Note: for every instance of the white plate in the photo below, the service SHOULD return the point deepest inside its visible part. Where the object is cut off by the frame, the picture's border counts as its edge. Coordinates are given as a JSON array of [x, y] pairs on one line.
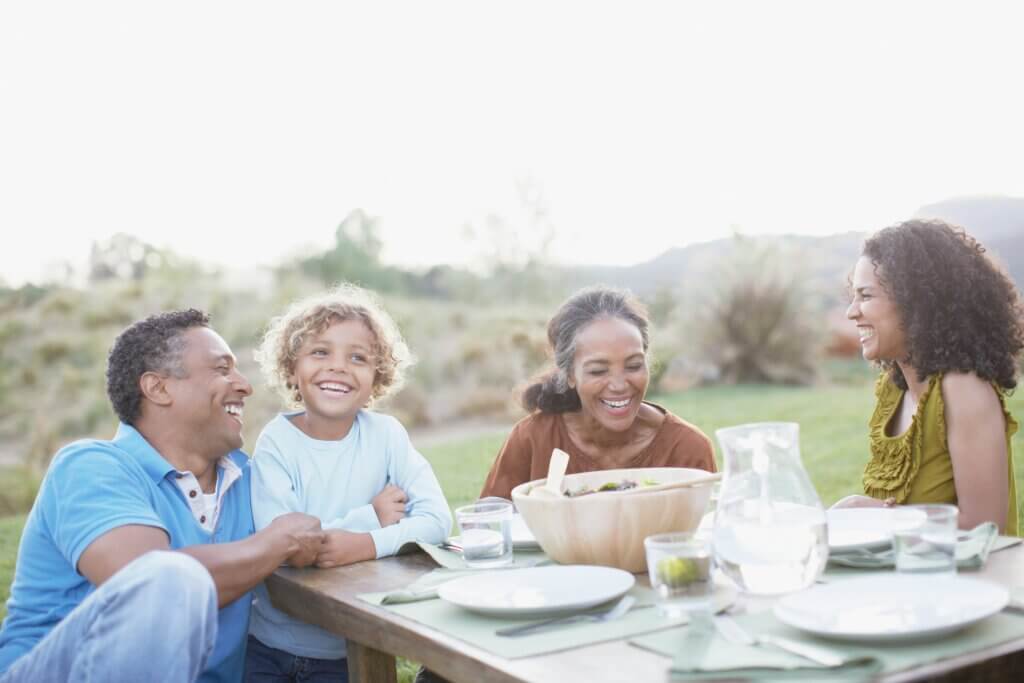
[[891, 606], [536, 591], [850, 528]]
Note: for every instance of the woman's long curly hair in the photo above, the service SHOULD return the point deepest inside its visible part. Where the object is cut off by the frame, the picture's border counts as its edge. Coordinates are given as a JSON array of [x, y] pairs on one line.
[[960, 313], [551, 393]]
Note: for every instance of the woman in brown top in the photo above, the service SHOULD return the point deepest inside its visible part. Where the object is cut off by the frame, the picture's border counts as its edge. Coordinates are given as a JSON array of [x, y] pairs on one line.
[[591, 404]]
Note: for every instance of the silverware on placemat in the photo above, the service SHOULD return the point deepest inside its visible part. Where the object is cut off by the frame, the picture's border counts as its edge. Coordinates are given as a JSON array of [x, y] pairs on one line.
[[734, 633], [616, 611]]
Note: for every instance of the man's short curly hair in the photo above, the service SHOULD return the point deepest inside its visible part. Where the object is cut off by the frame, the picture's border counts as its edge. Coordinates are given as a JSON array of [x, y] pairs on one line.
[[154, 344], [285, 335], [960, 313]]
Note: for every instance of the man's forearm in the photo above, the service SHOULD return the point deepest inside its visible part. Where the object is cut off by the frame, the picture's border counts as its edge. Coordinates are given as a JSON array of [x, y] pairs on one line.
[[238, 566]]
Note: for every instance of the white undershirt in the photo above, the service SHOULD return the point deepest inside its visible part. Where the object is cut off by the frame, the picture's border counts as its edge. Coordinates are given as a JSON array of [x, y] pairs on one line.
[[205, 507]]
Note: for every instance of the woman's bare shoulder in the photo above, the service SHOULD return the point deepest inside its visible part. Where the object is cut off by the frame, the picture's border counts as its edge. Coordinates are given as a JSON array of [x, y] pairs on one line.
[[966, 391]]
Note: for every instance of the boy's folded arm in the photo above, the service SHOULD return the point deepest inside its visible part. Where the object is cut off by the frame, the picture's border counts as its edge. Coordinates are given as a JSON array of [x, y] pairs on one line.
[[345, 547], [429, 518], [413, 528], [360, 519]]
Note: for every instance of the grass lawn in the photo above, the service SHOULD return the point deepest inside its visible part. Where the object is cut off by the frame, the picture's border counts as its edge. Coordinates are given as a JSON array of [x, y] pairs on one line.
[[833, 424], [833, 433]]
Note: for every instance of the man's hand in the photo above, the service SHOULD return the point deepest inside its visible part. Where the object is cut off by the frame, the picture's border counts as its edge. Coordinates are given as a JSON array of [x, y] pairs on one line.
[[303, 535], [389, 505], [345, 547]]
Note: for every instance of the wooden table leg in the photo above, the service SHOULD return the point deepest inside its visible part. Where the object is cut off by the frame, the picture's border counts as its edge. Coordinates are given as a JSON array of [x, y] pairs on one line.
[[366, 665]]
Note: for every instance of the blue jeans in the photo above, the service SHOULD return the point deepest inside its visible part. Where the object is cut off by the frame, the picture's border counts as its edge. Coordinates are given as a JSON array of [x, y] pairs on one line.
[[155, 620], [265, 664]]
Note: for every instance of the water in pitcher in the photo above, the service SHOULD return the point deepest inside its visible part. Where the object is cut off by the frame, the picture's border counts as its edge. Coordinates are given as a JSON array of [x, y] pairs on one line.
[[783, 552], [769, 535]]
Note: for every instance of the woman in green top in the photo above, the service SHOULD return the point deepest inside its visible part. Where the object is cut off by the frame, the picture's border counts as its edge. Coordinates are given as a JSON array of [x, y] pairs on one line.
[[946, 327]]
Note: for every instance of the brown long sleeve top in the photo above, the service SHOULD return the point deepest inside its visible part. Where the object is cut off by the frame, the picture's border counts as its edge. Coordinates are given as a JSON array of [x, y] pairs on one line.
[[527, 451]]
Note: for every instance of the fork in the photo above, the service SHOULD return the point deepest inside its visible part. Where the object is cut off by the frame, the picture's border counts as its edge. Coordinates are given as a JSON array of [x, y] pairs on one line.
[[616, 611], [735, 633], [453, 547]]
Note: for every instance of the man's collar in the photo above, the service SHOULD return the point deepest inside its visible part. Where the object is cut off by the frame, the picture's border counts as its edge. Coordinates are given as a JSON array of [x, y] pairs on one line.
[[132, 442]]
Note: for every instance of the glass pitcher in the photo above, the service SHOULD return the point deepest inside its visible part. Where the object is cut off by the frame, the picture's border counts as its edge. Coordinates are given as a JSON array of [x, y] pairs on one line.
[[769, 534]]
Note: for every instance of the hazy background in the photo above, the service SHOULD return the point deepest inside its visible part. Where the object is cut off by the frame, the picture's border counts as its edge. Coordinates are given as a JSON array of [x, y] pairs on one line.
[[474, 163], [238, 132]]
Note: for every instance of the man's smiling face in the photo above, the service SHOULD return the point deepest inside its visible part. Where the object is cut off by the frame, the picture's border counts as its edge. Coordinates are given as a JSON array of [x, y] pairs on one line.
[[209, 397]]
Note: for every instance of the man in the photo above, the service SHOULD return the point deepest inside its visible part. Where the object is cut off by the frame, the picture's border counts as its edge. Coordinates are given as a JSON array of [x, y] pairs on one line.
[[138, 557]]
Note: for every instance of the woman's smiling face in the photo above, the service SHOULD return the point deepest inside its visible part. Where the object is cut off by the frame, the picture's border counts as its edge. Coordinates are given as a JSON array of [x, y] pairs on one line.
[[878, 320], [610, 372]]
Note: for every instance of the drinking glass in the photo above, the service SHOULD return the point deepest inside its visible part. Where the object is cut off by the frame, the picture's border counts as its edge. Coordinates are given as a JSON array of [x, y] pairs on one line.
[[486, 534], [679, 566], [930, 546]]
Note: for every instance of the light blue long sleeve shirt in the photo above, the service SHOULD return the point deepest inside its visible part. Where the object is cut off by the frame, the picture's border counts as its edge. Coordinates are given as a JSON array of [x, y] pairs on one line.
[[336, 481]]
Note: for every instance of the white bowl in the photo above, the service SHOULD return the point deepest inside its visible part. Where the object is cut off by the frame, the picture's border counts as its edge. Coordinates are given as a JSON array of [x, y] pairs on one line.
[[608, 528]]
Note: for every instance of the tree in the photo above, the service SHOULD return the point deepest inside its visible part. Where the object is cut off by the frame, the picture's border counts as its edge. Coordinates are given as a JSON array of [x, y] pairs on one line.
[[124, 257], [515, 250], [355, 256]]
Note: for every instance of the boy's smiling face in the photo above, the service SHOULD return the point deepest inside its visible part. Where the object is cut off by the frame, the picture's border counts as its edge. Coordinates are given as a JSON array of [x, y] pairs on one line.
[[334, 372]]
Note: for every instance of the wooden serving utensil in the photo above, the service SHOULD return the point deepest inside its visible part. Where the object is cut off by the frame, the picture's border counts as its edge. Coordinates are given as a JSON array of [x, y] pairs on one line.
[[556, 473], [711, 478]]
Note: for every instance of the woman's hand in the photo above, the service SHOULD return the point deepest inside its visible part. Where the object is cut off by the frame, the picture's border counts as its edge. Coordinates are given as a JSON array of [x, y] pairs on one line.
[[858, 501]]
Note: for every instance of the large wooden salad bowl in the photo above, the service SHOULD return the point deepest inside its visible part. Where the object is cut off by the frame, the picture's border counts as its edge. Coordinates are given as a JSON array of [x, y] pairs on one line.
[[608, 528]]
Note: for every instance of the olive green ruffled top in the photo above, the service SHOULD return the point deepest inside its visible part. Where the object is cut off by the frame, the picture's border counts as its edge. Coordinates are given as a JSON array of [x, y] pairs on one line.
[[915, 466]]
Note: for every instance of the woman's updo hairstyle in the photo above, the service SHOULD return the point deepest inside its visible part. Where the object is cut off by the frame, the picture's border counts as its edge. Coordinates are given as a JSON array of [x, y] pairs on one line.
[[550, 392]]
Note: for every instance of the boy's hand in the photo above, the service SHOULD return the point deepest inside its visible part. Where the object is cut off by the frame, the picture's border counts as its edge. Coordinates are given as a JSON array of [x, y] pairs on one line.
[[345, 547], [389, 505], [303, 535]]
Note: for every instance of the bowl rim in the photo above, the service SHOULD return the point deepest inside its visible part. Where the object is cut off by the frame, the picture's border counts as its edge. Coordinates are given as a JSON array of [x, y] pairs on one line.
[[523, 490]]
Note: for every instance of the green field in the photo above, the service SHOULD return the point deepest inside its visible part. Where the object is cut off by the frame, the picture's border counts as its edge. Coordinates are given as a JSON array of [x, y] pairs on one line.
[[833, 423]]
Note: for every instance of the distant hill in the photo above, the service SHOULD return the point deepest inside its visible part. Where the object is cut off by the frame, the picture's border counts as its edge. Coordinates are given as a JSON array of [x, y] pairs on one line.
[[826, 262], [997, 222]]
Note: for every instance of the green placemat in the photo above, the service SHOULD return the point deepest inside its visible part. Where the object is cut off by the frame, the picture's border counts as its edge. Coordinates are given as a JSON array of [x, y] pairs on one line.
[[883, 561], [702, 654], [480, 630]]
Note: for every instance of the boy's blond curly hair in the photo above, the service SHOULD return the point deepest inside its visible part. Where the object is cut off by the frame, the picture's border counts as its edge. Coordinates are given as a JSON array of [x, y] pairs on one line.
[[285, 335]]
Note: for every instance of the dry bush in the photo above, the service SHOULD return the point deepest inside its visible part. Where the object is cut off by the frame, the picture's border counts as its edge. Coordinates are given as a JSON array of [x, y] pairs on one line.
[[757, 323], [471, 359]]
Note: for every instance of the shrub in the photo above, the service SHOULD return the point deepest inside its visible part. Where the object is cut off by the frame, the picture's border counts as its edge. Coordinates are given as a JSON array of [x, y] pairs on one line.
[[757, 323]]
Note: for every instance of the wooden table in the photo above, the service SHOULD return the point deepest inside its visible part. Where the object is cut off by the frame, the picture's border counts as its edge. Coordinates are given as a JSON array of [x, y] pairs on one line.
[[327, 598]]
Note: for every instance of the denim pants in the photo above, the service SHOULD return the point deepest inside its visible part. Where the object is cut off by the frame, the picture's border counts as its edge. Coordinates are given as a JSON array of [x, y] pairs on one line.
[[154, 620], [265, 664]]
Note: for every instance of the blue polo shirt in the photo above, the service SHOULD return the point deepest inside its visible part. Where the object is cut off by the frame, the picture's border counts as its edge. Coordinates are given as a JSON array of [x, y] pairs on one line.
[[94, 486]]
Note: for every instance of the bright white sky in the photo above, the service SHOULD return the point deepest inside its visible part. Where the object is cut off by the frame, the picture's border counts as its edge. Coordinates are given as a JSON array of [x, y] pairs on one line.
[[238, 132]]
